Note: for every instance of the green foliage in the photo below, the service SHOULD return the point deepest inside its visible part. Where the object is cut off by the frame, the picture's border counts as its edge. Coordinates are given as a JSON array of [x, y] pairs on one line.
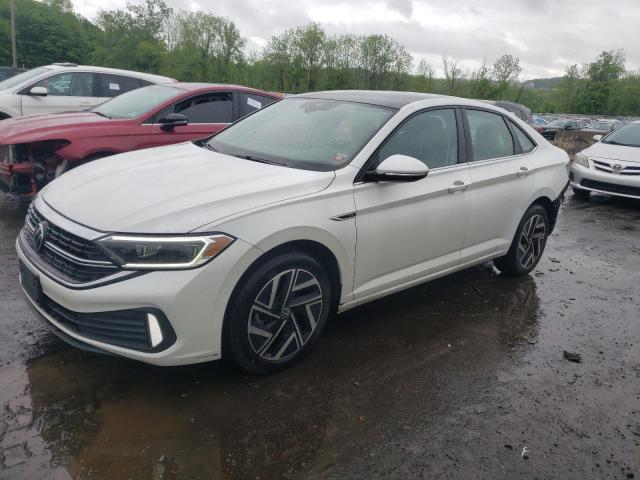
[[199, 46]]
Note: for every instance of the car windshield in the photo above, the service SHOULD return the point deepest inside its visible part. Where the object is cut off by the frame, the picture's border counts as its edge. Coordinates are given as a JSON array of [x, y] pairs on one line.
[[601, 126], [306, 133], [629, 135], [22, 77], [557, 123], [136, 102]]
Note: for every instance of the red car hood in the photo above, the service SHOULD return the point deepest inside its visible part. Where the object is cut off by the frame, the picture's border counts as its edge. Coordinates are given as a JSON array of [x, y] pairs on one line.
[[35, 128]]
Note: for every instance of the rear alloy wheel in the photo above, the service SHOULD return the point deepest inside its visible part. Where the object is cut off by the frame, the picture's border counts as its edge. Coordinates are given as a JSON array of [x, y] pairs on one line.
[[528, 244], [278, 314]]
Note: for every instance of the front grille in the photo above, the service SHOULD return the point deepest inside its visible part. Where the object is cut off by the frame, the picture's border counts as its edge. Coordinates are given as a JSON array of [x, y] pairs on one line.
[[611, 187], [73, 258], [610, 167], [123, 328]]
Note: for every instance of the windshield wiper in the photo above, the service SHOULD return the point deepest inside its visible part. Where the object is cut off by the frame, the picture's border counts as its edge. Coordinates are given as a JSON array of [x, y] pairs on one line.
[[257, 159], [101, 114]]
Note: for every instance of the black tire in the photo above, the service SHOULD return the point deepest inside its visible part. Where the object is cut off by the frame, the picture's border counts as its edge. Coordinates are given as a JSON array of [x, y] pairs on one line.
[[527, 246], [266, 302], [581, 193]]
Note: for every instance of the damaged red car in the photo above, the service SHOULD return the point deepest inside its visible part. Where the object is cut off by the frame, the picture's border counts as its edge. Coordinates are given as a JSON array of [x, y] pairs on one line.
[[36, 149]]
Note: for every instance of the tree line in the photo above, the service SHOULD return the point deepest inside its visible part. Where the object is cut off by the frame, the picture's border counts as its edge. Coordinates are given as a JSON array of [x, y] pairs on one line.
[[200, 46]]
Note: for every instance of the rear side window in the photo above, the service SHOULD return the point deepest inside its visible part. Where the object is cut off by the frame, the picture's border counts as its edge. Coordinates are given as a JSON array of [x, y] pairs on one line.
[[114, 85], [250, 102], [210, 108], [526, 145], [490, 136], [431, 137]]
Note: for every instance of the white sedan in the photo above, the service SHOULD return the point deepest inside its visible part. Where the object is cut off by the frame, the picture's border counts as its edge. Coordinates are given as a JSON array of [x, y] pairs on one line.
[[612, 165], [243, 245], [67, 87]]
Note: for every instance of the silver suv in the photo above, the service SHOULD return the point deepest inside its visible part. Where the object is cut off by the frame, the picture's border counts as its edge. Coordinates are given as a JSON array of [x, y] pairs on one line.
[[67, 87]]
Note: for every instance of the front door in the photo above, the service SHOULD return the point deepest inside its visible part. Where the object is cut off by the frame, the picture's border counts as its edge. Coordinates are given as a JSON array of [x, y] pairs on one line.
[[66, 92], [407, 232]]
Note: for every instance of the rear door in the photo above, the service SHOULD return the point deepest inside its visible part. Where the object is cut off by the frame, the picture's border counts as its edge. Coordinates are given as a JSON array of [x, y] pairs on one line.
[[501, 183], [66, 91], [208, 113]]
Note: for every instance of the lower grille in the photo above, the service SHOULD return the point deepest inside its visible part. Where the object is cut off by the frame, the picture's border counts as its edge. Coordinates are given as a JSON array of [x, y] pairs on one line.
[[611, 187], [123, 328]]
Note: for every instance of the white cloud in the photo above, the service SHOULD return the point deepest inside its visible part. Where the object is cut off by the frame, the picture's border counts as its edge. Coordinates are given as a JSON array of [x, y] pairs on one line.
[[547, 35]]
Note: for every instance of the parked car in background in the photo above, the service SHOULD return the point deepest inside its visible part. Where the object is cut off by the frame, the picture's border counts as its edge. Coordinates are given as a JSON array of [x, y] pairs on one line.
[[36, 149], [612, 165], [549, 131], [65, 87], [520, 111], [6, 72], [539, 121], [244, 244], [603, 126]]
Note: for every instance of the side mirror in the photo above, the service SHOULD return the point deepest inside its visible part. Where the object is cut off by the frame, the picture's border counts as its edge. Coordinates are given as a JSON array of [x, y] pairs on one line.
[[39, 92], [597, 138], [398, 168], [173, 120]]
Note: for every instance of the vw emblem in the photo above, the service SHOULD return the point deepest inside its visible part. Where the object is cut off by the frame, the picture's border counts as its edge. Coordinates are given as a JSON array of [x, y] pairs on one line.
[[40, 235], [616, 167]]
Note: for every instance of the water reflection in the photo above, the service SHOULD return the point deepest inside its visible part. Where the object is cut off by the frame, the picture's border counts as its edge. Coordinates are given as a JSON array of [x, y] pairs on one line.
[[380, 369]]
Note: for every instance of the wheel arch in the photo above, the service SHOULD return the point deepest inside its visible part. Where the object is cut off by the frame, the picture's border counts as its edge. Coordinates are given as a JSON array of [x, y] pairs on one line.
[[551, 207]]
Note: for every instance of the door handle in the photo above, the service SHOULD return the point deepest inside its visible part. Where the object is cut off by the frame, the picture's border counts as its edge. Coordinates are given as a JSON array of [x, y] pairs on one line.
[[523, 172], [457, 186]]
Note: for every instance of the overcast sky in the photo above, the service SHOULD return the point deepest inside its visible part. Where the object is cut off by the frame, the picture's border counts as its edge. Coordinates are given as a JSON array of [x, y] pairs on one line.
[[547, 35]]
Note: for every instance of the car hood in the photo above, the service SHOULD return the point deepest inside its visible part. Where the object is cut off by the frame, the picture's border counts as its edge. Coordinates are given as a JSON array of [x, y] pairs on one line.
[[34, 128], [173, 189], [613, 152]]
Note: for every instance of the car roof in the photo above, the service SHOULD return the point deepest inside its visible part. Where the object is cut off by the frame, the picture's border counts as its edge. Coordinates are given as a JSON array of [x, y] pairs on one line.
[[374, 97], [195, 86], [150, 77]]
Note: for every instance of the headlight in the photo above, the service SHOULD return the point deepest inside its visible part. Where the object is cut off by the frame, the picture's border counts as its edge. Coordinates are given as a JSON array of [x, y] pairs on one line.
[[137, 252], [581, 159]]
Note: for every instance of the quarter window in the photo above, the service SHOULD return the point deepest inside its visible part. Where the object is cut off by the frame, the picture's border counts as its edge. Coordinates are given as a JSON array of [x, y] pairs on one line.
[[526, 145], [79, 84], [211, 108], [490, 136], [249, 103], [431, 137]]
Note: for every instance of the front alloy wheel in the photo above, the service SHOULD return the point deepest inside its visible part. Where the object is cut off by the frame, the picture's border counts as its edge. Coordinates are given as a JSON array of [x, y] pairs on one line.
[[277, 312], [285, 314]]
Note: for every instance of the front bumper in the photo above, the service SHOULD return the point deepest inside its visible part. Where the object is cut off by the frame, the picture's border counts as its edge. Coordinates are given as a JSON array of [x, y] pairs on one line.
[[603, 182], [193, 302]]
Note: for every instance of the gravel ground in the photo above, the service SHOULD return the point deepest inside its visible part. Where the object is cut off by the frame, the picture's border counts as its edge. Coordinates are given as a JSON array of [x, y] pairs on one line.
[[464, 377]]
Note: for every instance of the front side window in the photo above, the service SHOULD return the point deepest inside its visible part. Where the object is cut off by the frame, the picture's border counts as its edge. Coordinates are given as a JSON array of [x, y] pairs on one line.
[[490, 136], [305, 133], [210, 108], [114, 85], [431, 137], [68, 84]]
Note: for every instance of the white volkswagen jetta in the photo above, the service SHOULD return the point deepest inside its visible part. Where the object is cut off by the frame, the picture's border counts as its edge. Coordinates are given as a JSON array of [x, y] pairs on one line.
[[612, 165], [242, 245]]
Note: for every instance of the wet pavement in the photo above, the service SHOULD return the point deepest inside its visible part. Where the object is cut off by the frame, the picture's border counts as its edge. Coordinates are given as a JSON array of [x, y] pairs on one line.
[[461, 378]]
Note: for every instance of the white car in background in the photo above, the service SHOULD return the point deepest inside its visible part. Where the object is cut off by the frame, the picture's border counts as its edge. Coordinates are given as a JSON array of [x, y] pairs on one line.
[[65, 87], [243, 245], [612, 165]]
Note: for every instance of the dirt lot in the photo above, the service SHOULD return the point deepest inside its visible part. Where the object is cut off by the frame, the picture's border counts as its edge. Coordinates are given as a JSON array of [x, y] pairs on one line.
[[460, 378]]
